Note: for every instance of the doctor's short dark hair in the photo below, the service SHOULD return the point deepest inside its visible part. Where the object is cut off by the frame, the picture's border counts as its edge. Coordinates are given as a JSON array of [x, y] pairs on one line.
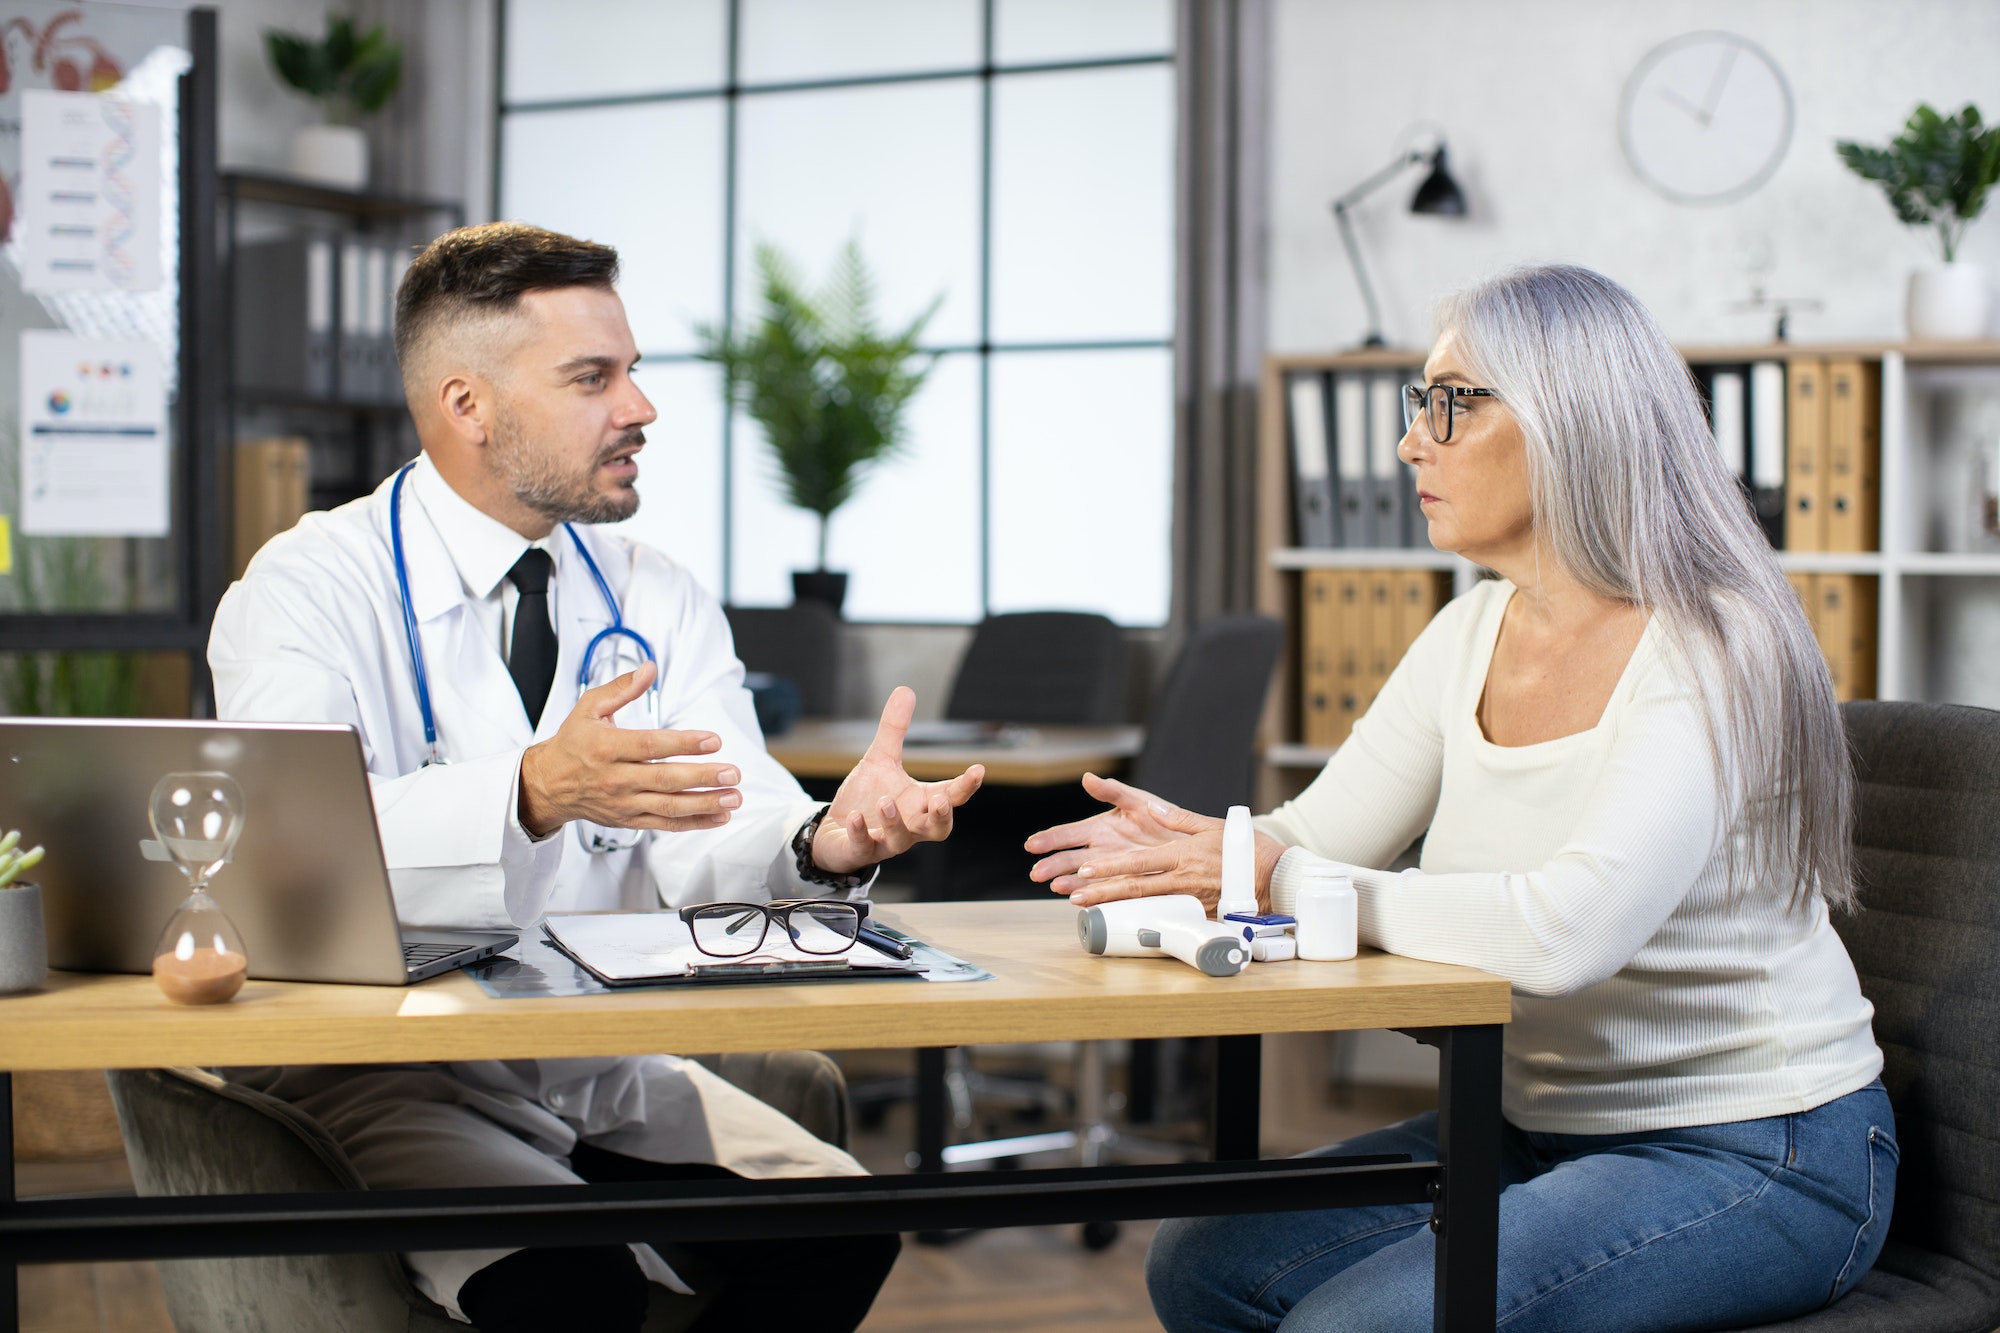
[[486, 270]]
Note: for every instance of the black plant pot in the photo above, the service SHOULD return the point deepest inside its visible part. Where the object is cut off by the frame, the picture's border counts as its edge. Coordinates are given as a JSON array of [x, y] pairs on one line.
[[819, 585]]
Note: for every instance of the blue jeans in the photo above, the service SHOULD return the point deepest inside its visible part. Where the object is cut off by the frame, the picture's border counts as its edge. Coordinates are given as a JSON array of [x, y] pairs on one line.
[[1713, 1227]]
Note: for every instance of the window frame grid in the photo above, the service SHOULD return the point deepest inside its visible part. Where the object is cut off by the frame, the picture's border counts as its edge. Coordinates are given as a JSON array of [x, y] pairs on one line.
[[730, 93]]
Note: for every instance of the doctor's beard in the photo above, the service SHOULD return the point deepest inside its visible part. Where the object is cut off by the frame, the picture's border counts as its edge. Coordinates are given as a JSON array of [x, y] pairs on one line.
[[540, 482]]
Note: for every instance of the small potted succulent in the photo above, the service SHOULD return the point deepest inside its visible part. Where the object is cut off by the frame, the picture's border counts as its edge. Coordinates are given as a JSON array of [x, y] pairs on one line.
[[350, 74], [827, 386], [24, 947], [1936, 174]]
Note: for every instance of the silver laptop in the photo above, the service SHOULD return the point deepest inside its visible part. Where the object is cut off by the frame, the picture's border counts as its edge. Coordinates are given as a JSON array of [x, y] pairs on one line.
[[306, 885]]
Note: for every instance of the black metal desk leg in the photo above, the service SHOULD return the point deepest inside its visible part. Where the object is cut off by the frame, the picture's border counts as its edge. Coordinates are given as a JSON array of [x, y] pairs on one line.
[[1239, 1073], [10, 1291], [931, 1126], [1467, 1218], [930, 1108]]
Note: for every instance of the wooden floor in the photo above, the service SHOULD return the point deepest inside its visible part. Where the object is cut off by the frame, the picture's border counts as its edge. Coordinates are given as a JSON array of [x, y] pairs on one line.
[[93, 1298], [1026, 1278], [1029, 1278], [87, 1298]]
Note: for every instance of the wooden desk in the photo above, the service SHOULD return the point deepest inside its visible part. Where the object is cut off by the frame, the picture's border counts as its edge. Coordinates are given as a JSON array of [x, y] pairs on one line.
[[1046, 989], [829, 748]]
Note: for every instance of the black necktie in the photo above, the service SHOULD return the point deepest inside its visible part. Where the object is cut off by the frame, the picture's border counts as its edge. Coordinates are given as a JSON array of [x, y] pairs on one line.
[[531, 657]]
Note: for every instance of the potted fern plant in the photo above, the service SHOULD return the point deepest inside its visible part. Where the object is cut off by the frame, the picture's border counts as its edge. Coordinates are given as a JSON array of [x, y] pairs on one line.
[[1937, 173], [350, 74], [827, 386]]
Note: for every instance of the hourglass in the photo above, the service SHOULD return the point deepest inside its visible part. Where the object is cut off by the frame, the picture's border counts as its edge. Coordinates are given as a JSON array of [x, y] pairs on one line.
[[197, 818]]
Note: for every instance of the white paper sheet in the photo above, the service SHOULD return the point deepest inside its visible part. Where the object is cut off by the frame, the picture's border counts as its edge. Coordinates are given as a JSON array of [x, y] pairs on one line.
[[93, 437], [90, 192]]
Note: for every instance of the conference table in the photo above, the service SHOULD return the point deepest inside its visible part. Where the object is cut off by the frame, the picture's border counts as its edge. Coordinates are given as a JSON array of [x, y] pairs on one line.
[[1044, 988], [1025, 756]]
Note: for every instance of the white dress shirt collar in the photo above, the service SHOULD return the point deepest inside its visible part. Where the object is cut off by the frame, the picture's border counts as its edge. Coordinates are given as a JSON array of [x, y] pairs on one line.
[[482, 548]]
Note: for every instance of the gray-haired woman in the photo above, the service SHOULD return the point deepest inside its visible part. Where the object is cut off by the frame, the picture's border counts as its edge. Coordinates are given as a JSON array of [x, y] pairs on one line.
[[1629, 769]]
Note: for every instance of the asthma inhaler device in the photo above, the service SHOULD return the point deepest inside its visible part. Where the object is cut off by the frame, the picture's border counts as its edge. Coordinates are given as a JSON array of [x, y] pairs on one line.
[[1175, 925], [1239, 865]]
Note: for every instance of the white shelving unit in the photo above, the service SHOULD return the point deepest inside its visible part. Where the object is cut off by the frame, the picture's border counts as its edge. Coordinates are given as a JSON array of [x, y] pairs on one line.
[[1945, 564], [1938, 606]]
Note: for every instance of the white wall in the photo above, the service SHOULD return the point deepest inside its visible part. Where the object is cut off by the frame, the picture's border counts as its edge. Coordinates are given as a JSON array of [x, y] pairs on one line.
[[1527, 93]]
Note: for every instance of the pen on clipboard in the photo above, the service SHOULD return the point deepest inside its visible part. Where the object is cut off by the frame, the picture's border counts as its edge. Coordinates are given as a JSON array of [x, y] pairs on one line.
[[876, 939]]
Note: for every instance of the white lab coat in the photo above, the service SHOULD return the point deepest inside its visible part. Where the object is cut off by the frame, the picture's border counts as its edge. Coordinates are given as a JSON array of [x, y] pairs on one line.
[[314, 633]]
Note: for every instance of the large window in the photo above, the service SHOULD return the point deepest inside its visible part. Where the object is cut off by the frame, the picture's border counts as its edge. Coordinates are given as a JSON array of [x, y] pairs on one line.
[[1013, 157]]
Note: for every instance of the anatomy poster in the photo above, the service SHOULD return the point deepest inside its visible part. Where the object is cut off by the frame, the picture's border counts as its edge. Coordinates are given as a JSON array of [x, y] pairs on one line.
[[90, 192]]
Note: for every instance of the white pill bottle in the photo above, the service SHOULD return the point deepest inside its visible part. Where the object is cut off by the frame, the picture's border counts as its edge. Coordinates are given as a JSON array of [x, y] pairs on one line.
[[1326, 911]]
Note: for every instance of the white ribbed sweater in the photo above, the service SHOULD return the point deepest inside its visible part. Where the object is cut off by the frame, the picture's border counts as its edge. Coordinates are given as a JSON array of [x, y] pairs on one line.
[[1589, 871]]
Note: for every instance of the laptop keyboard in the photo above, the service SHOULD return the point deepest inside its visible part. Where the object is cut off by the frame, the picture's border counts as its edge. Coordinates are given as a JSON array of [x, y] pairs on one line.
[[416, 955]]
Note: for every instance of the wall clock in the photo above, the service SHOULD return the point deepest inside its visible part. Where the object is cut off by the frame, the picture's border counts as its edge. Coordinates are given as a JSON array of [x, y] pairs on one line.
[[1706, 118]]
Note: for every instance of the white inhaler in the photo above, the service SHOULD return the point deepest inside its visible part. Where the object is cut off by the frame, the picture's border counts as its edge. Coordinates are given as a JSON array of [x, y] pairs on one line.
[[1174, 924], [1327, 911], [1239, 865]]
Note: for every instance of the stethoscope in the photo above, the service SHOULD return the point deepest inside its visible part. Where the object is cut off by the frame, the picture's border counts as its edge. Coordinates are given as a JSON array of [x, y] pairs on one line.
[[595, 838]]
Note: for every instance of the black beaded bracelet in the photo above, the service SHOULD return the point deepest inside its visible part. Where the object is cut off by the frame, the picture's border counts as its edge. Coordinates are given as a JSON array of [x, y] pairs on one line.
[[802, 849]]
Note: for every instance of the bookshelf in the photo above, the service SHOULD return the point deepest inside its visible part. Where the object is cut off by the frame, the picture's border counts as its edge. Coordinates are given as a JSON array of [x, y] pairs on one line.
[[1937, 574], [352, 441]]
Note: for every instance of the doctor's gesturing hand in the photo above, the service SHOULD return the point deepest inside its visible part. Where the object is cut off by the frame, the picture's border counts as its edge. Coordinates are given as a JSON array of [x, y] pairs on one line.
[[595, 770], [880, 810], [592, 769], [1141, 846]]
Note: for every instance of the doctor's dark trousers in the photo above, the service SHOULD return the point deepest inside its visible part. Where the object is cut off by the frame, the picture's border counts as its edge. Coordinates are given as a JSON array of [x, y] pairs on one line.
[[822, 1285]]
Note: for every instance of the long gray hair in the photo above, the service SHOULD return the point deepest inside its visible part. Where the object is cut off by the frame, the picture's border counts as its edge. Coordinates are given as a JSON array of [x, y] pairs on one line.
[[1631, 497]]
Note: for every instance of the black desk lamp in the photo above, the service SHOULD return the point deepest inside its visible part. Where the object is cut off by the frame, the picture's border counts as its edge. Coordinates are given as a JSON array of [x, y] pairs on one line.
[[1438, 196]]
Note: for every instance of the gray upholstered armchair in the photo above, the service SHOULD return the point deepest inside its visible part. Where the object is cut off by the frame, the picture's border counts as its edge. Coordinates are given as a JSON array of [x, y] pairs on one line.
[[189, 1132], [1927, 946]]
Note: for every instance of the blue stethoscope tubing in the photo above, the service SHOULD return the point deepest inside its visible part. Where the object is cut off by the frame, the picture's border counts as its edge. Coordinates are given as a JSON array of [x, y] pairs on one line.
[[618, 628]]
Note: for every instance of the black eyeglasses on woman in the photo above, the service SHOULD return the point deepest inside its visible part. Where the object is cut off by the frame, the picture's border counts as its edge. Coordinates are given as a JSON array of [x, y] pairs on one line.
[[1436, 404]]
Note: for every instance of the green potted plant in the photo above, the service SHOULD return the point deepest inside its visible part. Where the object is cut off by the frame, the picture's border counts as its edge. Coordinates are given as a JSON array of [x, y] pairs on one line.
[[827, 386], [24, 947], [65, 574], [350, 74], [1936, 174]]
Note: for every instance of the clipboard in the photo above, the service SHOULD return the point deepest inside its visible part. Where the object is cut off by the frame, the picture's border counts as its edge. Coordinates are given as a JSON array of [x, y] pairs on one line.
[[621, 949]]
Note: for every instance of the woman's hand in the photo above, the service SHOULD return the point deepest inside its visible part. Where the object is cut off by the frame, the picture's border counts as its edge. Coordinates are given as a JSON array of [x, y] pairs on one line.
[[1140, 847], [1136, 820]]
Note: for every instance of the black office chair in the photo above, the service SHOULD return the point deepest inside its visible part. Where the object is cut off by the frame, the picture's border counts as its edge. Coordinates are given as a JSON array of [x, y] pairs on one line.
[[1052, 667], [1049, 668], [1200, 748], [1927, 946], [1201, 736], [800, 643], [1199, 739], [1200, 754]]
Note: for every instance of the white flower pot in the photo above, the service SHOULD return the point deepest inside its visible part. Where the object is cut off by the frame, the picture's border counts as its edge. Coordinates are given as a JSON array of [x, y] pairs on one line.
[[335, 155], [1950, 303]]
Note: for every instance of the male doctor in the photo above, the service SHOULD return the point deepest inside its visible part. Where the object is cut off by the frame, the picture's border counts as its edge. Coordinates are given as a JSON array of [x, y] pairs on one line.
[[517, 364]]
